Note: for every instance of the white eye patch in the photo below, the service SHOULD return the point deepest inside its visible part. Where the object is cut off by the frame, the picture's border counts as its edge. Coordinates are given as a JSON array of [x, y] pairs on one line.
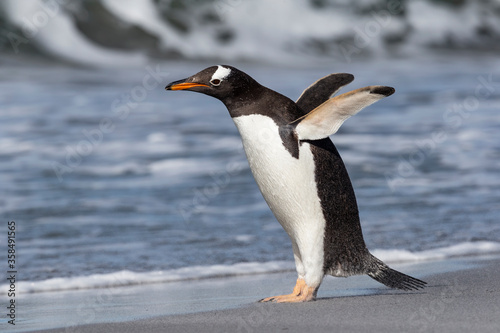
[[220, 74]]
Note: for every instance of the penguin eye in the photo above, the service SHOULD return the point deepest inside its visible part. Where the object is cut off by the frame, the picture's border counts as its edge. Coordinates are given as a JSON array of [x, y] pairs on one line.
[[215, 82]]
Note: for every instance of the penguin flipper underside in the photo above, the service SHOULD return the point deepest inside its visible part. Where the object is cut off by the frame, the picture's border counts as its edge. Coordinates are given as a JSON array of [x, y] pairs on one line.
[[321, 90], [327, 118]]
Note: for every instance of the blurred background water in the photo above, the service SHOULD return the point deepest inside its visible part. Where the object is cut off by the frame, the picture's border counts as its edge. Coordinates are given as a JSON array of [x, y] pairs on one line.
[[104, 172]]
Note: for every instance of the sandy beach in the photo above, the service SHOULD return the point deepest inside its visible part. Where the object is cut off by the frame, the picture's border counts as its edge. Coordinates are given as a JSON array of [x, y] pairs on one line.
[[462, 296]]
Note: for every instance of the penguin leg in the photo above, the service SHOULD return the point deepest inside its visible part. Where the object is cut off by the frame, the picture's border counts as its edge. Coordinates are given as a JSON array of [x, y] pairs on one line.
[[301, 293], [307, 271]]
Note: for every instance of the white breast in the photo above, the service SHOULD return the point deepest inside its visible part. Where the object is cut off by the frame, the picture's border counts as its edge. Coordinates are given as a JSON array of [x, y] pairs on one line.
[[287, 184]]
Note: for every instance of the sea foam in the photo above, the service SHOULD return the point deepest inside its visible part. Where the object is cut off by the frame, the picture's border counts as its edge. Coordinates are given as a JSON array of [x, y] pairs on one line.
[[128, 278]]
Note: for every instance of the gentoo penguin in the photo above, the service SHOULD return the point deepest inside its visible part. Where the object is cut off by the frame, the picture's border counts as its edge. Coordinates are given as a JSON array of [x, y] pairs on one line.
[[300, 172]]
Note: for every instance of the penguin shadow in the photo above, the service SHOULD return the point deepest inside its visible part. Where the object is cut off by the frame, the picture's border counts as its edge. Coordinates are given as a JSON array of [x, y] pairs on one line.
[[363, 293], [375, 292]]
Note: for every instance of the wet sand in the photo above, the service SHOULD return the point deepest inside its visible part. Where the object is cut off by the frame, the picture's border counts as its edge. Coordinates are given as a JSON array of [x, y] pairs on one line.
[[462, 295]]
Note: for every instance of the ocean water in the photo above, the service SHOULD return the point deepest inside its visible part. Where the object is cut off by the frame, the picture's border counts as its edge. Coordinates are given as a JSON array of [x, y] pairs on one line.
[[114, 181]]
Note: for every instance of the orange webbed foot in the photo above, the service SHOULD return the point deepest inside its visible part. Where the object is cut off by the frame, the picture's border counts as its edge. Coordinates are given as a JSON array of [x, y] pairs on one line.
[[301, 293]]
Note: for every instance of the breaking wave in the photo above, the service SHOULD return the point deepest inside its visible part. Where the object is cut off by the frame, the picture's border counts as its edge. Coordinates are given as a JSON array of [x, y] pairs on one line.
[[128, 32], [128, 278]]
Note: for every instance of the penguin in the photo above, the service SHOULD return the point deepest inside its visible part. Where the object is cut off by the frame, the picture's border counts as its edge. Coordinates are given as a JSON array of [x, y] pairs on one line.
[[300, 172]]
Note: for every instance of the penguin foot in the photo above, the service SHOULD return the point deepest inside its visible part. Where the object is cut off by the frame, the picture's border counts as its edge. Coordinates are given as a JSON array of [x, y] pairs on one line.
[[301, 293]]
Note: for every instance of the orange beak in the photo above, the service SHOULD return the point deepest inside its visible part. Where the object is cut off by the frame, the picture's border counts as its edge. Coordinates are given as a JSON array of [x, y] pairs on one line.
[[182, 85]]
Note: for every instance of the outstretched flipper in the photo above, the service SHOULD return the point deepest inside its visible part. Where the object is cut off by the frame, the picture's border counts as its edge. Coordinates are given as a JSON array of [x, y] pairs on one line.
[[326, 119], [321, 90]]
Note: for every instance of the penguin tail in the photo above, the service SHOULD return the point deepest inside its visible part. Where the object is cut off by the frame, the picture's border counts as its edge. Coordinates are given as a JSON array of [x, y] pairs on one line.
[[392, 278]]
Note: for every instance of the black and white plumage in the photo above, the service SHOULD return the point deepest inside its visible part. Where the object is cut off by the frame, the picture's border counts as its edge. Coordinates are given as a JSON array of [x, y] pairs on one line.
[[300, 172]]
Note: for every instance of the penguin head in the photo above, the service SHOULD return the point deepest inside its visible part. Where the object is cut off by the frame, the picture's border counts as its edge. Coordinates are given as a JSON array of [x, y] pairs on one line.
[[222, 82]]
